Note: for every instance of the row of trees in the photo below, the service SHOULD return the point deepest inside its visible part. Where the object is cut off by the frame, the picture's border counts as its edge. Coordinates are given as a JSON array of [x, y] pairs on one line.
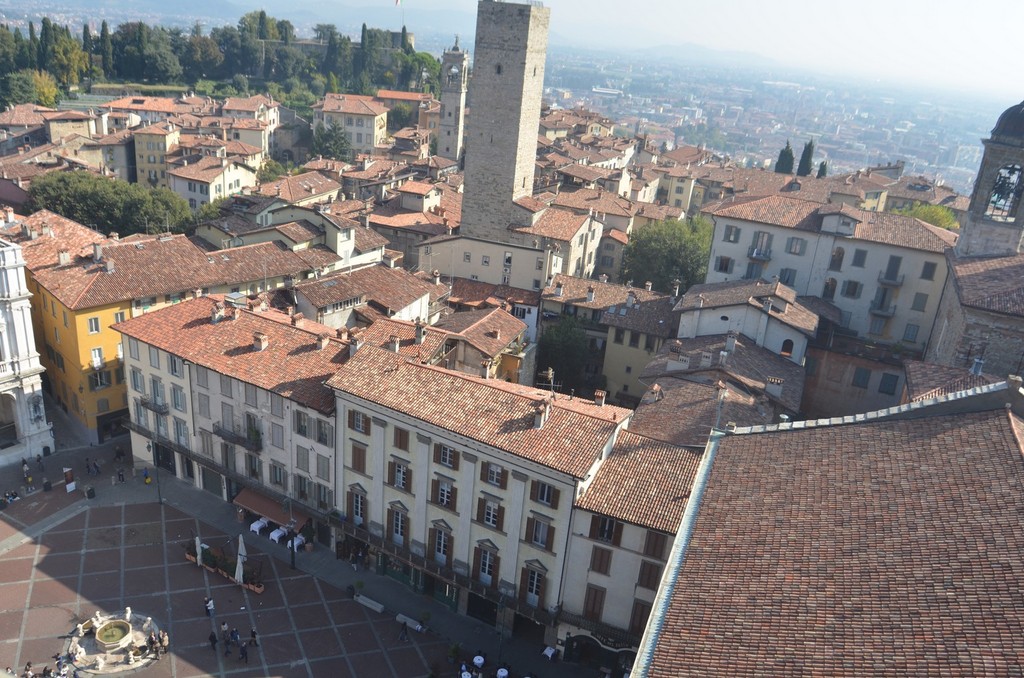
[[259, 47], [784, 164]]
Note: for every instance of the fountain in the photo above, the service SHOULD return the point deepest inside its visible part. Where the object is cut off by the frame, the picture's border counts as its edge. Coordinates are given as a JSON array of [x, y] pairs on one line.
[[113, 635]]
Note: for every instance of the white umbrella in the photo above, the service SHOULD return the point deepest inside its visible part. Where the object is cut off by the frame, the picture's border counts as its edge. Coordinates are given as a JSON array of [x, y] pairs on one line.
[[241, 560], [199, 552]]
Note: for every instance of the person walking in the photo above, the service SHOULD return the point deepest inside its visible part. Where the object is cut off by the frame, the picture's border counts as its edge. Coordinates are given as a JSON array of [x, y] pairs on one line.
[[209, 607], [225, 635], [243, 653], [213, 640], [254, 637], [235, 637], [39, 462], [95, 468], [403, 633], [88, 467], [165, 643]]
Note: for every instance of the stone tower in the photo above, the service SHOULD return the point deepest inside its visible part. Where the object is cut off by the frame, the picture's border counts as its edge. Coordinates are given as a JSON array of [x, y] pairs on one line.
[[454, 82], [501, 135], [995, 221]]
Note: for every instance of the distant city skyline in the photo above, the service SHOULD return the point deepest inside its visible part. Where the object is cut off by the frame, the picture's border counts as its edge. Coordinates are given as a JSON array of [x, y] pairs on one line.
[[971, 47]]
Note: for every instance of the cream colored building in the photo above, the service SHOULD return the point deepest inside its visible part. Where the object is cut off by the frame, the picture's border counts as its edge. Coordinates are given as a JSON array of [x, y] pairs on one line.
[[364, 120]]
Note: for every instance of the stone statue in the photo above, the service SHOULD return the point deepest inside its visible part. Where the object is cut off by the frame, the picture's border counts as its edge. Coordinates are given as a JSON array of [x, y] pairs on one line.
[[130, 658], [100, 662], [81, 630], [127, 614], [97, 619], [147, 624], [73, 648]]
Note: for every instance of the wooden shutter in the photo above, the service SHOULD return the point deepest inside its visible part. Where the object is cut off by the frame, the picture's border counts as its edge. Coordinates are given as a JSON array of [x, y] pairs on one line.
[[432, 545], [524, 580], [501, 518], [483, 471], [451, 549], [359, 458], [540, 591], [435, 487], [554, 498], [437, 453], [503, 481], [531, 524], [496, 574], [408, 478], [476, 564], [389, 531], [352, 419], [391, 473], [534, 490], [550, 538], [481, 505], [595, 526], [350, 506], [617, 533], [454, 495], [455, 460]]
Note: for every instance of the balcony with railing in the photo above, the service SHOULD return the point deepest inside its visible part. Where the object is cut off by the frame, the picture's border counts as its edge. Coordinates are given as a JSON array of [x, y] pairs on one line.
[[883, 310], [759, 253], [153, 404], [98, 362], [606, 632], [890, 280], [250, 439]]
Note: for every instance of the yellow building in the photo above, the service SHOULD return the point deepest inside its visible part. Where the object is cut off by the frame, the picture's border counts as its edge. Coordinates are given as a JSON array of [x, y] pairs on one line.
[[83, 282], [152, 144]]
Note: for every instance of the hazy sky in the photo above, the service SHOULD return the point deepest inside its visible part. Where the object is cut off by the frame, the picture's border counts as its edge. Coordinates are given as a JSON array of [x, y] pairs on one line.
[[972, 45]]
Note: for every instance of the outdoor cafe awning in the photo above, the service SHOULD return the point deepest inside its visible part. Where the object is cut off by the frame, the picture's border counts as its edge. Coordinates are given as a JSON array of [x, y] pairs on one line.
[[269, 508]]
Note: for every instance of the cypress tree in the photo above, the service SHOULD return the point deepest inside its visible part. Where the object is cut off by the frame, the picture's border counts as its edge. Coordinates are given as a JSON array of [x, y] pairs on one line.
[[784, 165], [33, 45], [806, 160], [106, 50], [86, 39], [822, 169]]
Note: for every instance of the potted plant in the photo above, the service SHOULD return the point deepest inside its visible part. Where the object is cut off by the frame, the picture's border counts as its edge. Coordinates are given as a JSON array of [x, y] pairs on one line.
[[453, 652], [209, 560], [308, 532]]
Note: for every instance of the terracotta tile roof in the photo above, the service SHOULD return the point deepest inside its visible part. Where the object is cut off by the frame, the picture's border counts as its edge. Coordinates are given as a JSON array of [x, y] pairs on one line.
[[379, 334], [292, 365], [585, 172], [299, 231], [490, 411], [531, 204], [930, 380], [644, 482], [489, 330], [659, 212], [775, 209], [575, 292], [150, 104], [207, 169], [298, 187], [557, 224], [390, 288], [367, 239], [616, 235], [785, 306], [749, 365], [354, 104], [865, 549], [994, 284], [250, 104], [23, 115], [596, 199], [142, 266], [328, 165], [904, 231], [652, 316], [418, 222], [825, 310], [468, 292], [402, 96]]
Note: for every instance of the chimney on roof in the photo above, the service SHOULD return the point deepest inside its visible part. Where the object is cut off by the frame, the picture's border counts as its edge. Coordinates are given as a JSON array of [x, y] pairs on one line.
[[773, 386], [114, 236], [108, 266], [217, 312], [355, 336], [341, 333], [9, 215], [723, 356], [485, 369], [766, 305], [558, 288], [705, 359], [631, 299], [296, 318], [599, 397], [63, 257], [47, 230], [421, 331], [260, 341], [541, 412], [97, 251], [603, 277], [648, 285], [976, 367], [323, 340], [436, 275], [394, 343], [590, 294], [730, 341]]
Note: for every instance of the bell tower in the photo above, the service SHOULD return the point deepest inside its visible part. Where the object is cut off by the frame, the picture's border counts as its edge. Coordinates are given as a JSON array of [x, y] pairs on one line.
[[454, 84], [995, 220]]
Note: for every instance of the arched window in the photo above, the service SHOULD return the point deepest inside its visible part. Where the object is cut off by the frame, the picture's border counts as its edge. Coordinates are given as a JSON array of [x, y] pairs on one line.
[[787, 348], [1006, 192], [829, 293], [836, 264]]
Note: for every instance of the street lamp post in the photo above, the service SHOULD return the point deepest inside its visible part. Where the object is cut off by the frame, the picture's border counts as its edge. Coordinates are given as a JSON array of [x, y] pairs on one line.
[[156, 472], [291, 529]]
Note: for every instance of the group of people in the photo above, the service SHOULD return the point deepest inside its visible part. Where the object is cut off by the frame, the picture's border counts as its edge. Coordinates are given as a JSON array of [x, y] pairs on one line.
[[91, 467], [158, 643], [232, 637], [29, 672]]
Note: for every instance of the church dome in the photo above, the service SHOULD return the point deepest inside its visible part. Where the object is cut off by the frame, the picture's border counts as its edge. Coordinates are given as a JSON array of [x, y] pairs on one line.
[[1011, 122]]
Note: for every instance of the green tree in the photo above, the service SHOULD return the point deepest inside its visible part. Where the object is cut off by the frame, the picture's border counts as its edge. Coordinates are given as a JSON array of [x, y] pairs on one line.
[[19, 87], [330, 141], [806, 160], [822, 169], [106, 50], [936, 215], [401, 115], [201, 57], [209, 211], [668, 250], [784, 165], [47, 92], [68, 62], [563, 348], [270, 171], [322, 32], [109, 204]]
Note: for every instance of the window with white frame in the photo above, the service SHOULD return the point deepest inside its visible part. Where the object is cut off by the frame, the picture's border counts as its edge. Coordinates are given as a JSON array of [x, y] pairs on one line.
[[276, 405], [251, 395], [175, 365], [154, 357], [138, 381], [540, 534], [323, 467], [442, 544], [202, 376], [94, 325], [277, 435], [399, 524], [445, 493], [494, 474], [178, 397], [491, 509], [401, 476], [447, 456], [486, 572], [133, 347], [302, 458], [225, 385]]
